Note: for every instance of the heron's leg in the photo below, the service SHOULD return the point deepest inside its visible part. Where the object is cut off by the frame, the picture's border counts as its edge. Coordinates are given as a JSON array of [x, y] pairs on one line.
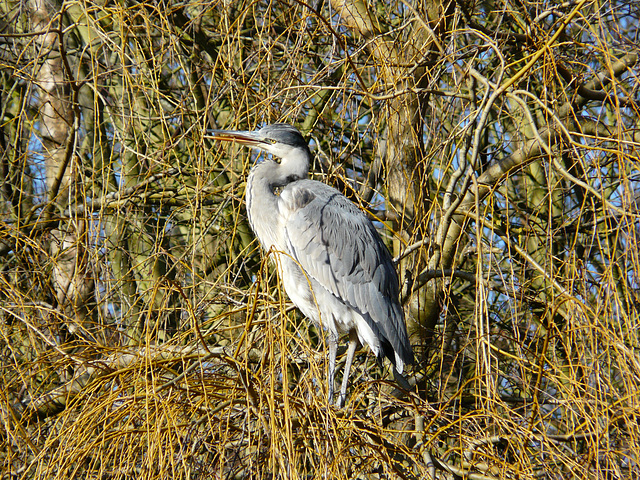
[[351, 351], [333, 352]]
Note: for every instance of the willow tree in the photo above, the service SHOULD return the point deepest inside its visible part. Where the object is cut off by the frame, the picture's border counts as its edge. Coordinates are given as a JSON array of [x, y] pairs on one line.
[[495, 145]]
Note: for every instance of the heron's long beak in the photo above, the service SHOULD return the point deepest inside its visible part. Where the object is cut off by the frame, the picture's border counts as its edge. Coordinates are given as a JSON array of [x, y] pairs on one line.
[[252, 139]]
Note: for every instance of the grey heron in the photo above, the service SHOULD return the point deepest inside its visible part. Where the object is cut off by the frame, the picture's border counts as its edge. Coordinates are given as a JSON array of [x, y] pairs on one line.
[[333, 263]]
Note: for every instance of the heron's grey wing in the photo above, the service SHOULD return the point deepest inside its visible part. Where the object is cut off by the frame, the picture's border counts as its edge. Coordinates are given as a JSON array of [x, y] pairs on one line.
[[338, 246]]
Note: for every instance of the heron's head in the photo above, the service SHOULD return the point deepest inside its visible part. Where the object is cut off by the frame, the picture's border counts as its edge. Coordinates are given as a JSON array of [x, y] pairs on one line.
[[280, 140]]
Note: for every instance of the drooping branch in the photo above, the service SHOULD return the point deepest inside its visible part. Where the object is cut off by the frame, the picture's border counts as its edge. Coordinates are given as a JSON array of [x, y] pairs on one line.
[[87, 371]]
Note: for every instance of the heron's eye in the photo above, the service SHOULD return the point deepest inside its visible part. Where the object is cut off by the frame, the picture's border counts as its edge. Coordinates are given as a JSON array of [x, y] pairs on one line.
[[271, 141]]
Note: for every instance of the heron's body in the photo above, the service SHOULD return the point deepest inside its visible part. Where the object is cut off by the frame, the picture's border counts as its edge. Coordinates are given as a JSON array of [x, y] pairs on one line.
[[334, 265]]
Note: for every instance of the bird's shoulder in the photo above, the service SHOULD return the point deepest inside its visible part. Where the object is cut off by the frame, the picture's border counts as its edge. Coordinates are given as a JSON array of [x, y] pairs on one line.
[[312, 199]]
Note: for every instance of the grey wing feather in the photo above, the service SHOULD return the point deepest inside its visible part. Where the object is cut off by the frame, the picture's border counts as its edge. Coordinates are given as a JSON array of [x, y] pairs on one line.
[[337, 245]]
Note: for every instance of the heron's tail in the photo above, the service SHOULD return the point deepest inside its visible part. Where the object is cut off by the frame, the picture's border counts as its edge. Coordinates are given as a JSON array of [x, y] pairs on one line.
[[402, 380]]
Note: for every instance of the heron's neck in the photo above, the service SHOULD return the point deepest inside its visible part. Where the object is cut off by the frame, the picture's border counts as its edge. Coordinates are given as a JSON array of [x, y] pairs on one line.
[[262, 203], [295, 166], [264, 184]]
